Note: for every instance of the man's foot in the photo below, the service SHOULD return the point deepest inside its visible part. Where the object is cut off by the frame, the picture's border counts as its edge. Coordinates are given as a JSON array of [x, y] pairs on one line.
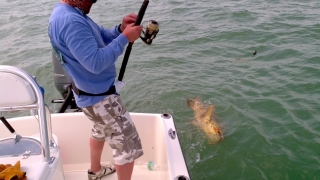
[[105, 170]]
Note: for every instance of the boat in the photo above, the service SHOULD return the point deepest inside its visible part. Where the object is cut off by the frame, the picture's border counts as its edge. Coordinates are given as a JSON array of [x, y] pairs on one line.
[[50, 147]]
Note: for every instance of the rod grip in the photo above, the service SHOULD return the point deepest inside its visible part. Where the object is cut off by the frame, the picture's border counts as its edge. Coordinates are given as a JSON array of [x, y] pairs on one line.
[[5, 122]]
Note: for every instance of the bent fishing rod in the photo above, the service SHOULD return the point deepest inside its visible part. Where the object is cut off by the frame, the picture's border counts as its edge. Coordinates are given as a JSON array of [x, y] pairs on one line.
[[150, 33]]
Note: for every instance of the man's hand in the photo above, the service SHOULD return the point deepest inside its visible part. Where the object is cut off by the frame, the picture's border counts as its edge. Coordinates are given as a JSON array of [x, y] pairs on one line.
[[128, 19], [132, 32]]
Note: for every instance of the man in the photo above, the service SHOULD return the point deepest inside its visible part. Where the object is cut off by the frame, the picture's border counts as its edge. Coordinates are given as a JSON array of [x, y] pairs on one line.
[[89, 52]]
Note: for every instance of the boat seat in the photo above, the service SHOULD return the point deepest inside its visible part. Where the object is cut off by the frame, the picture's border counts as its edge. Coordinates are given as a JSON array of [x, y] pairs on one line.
[[39, 153], [15, 91]]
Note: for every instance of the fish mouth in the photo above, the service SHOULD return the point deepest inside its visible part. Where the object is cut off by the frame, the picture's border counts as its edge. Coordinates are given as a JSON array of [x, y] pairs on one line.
[[218, 131]]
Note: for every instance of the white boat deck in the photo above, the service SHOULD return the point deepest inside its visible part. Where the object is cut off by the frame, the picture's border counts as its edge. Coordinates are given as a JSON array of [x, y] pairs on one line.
[[140, 172], [74, 149]]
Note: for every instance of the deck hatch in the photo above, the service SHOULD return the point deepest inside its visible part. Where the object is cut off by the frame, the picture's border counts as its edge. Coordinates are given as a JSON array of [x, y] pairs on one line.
[[8, 147]]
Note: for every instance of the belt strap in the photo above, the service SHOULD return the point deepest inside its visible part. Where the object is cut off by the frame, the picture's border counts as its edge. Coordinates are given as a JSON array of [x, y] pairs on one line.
[[79, 92]]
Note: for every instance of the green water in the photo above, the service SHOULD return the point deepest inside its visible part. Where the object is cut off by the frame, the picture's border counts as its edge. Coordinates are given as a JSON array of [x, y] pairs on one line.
[[268, 104]]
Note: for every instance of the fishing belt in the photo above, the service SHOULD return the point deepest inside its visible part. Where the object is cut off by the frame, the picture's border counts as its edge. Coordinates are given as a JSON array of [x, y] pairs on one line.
[[111, 90]]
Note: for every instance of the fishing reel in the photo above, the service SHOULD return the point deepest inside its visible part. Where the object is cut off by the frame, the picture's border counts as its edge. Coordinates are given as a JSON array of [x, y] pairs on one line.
[[151, 31]]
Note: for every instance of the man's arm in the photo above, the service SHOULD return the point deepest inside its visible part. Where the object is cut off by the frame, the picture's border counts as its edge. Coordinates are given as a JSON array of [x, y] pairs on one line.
[[83, 46]]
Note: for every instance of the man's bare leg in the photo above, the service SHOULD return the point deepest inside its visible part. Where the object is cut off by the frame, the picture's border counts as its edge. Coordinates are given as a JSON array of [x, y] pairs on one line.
[[124, 172], [96, 148]]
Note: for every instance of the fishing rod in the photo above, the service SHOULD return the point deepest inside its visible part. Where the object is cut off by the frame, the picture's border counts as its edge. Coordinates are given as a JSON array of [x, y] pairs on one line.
[[149, 34]]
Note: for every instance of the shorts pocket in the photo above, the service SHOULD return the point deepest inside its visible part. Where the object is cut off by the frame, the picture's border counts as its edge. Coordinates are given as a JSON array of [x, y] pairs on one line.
[[116, 106]]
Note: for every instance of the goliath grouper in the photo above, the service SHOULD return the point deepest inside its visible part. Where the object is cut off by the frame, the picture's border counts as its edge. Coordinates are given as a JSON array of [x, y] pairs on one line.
[[205, 120]]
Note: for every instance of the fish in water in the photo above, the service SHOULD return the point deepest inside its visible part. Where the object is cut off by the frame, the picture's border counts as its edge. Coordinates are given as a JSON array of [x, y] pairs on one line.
[[204, 119]]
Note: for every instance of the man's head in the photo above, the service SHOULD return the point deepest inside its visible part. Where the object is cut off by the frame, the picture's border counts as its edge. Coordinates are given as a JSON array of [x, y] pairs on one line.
[[84, 5]]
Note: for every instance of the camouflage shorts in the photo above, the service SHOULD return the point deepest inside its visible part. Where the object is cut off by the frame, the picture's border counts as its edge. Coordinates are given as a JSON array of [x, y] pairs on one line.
[[113, 124]]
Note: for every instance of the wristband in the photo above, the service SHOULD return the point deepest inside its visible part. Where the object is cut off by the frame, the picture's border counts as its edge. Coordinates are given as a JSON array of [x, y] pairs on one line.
[[119, 28]]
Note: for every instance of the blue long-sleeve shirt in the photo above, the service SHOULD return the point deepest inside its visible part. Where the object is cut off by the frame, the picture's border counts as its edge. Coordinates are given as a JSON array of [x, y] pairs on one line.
[[90, 51]]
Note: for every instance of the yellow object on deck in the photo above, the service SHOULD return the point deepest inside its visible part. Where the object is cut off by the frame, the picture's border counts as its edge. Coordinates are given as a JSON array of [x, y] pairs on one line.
[[9, 172]]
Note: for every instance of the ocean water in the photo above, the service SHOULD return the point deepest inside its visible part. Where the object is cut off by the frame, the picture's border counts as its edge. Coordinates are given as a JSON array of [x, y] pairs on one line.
[[268, 104]]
